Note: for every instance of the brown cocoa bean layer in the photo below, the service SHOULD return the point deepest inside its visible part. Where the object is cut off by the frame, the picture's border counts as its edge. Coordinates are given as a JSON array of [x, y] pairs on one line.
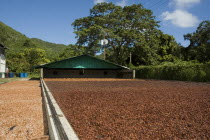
[[134, 109]]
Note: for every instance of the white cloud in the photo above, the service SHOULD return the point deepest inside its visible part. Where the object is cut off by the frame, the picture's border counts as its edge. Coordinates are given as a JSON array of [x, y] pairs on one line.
[[99, 1], [184, 3], [122, 3], [180, 18]]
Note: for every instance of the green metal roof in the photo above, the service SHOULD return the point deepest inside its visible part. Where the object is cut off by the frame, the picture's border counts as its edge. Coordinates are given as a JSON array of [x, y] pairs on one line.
[[82, 62]]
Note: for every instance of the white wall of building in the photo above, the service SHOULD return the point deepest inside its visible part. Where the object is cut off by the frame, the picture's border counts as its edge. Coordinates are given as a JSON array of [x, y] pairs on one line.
[[2, 63]]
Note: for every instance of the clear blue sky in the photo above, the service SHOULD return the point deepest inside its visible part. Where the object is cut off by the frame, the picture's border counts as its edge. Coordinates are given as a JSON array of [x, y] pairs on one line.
[[50, 20]]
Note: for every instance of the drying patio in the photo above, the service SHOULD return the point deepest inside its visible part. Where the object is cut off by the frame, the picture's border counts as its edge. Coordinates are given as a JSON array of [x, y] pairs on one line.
[[21, 111]]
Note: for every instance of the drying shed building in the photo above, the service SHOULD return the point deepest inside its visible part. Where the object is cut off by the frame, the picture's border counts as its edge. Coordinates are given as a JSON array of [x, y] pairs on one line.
[[84, 66]]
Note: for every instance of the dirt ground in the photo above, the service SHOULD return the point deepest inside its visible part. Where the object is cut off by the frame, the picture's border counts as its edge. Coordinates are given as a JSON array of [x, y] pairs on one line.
[[134, 109], [21, 112]]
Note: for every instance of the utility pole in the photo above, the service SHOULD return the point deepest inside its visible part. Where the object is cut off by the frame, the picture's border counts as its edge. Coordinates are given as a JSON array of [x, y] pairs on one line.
[[130, 58], [104, 41]]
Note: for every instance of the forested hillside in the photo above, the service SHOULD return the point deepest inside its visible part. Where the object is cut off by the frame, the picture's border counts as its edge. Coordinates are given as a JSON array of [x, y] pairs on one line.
[[11, 38], [18, 42], [24, 52], [48, 46]]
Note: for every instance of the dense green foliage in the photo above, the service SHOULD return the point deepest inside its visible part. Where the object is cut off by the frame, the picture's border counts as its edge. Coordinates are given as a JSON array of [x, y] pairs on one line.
[[52, 50], [72, 50], [199, 48], [128, 29], [26, 60], [182, 71], [197, 56]]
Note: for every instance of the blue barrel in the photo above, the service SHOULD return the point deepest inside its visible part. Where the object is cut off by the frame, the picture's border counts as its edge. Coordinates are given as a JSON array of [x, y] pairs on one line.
[[25, 74], [11, 75], [21, 75]]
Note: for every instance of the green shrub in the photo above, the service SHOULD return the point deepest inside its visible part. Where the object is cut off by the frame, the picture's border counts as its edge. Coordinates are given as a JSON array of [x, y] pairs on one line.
[[181, 71]]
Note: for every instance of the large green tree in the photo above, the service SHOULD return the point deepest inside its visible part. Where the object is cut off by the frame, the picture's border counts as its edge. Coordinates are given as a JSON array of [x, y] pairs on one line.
[[130, 29], [156, 48], [123, 27], [26, 60], [199, 48]]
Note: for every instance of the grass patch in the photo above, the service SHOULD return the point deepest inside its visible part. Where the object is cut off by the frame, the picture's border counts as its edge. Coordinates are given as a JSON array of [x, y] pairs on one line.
[[34, 75], [5, 80]]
